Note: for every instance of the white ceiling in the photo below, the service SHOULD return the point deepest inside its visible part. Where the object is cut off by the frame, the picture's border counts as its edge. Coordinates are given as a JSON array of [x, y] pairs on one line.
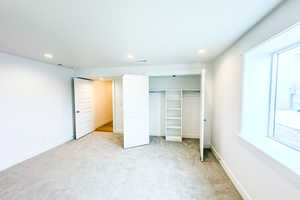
[[101, 33]]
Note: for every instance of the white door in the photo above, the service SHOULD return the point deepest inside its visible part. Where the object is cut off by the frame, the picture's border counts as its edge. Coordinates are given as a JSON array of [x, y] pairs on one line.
[[135, 110], [84, 116], [203, 115]]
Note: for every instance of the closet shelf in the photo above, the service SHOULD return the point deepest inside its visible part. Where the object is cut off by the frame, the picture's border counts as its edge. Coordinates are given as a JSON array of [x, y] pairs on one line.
[[174, 100], [174, 108], [173, 127], [173, 118], [191, 90], [155, 91], [175, 90]]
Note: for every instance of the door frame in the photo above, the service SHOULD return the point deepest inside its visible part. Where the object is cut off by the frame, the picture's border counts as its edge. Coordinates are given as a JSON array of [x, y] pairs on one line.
[[73, 102], [116, 106], [113, 103], [203, 114], [203, 104]]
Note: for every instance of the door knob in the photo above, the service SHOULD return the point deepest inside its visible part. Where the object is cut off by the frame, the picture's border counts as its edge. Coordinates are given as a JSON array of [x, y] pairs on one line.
[[77, 111]]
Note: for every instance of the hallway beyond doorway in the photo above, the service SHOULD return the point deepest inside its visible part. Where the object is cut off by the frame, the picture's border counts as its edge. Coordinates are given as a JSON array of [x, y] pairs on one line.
[[106, 127]]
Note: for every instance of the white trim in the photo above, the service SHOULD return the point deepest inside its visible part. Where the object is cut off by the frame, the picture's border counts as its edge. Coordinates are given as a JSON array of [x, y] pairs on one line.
[[113, 105], [243, 192], [272, 94], [192, 135]]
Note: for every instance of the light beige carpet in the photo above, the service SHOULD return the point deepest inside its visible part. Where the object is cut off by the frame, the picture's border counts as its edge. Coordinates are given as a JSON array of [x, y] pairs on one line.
[[96, 167]]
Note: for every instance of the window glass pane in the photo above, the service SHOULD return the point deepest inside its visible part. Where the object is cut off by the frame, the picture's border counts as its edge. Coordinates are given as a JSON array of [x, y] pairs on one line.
[[287, 108]]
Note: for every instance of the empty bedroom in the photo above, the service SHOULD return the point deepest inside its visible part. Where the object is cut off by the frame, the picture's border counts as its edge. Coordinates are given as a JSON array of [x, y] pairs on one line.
[[149, 100]]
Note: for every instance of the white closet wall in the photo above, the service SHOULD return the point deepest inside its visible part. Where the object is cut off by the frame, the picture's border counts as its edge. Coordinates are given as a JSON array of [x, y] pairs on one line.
[[169, 82], [191, 114], [190, 108], [157, 113]]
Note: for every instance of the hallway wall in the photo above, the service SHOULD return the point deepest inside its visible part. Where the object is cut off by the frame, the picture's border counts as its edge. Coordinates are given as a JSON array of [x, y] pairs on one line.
[[103, 102]]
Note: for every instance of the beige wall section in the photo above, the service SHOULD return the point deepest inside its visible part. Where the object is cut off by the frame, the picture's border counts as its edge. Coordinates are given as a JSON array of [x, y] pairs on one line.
[[103, 102]]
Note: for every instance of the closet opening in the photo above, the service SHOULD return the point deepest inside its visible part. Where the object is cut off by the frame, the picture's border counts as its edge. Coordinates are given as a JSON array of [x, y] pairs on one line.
[[175, 106], [140, 106]]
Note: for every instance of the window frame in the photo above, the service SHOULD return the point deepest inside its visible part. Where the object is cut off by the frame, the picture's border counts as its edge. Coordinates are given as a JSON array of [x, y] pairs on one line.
[[273, 94]]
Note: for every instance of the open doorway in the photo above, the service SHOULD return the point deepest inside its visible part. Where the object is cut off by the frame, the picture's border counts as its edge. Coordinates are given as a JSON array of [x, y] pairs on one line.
[[103, 105], [129, 100], [97, 105]]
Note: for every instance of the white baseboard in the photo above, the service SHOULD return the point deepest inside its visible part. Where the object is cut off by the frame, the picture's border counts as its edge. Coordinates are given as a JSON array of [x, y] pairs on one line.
[[39, 152], [245, 195], [190, 135]]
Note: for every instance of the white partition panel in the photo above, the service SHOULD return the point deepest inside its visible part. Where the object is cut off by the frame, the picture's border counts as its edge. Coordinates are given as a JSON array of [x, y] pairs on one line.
[[135, 110]]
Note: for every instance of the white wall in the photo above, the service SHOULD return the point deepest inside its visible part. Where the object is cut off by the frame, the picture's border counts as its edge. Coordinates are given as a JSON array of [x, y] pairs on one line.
[[102, 102], [257, 176], [36, 108]]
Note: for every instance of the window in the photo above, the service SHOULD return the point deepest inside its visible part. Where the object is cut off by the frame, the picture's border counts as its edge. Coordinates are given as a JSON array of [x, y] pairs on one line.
[[270, 112], [284, 125]]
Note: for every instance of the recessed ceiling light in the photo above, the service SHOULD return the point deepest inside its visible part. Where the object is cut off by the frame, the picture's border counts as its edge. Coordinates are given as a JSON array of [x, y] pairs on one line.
[[48, 55], [201, 51], [130, 57]]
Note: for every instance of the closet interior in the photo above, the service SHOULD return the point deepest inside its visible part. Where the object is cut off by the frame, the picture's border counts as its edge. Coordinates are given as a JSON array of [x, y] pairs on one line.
[[175, 106]]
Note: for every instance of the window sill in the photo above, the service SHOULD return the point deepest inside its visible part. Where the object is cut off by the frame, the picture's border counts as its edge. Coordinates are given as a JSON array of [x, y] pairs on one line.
[[278, 152]]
